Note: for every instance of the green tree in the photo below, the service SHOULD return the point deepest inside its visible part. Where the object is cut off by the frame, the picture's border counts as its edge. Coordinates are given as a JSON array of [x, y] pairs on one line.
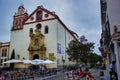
[[77, 51], [94, 58], [12, 57]]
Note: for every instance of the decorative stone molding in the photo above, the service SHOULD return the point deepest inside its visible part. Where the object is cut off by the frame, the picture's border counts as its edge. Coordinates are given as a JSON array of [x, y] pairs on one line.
[[36, 46], [116, 36]]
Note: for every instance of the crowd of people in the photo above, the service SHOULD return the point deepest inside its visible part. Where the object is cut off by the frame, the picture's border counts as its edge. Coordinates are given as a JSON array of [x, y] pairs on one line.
[[74, 72], [80, 74], [27, 73]]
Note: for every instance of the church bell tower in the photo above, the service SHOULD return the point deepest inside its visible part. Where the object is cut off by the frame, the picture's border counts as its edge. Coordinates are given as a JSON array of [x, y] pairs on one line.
[[19, 18]]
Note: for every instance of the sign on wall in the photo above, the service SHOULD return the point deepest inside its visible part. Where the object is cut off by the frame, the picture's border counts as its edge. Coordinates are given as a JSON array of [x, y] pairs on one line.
[[60, 48], [51, 56]]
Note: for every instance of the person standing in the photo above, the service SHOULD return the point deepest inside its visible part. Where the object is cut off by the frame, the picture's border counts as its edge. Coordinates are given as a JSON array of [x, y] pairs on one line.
[[1, 76], [113, 74]]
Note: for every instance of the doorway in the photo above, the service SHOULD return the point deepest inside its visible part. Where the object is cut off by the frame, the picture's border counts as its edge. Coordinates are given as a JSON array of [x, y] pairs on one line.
[[36, 56]]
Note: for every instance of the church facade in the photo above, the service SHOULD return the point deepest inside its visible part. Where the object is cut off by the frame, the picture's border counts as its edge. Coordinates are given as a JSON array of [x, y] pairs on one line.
[[40, 35]]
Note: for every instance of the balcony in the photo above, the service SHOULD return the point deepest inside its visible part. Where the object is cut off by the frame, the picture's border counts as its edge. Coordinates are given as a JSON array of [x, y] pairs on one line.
[[116, 36]]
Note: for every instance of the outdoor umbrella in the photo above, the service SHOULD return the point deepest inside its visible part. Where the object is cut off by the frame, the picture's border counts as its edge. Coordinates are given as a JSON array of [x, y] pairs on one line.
[[13, 61], [37, 61], [27, 61], [48, 62]]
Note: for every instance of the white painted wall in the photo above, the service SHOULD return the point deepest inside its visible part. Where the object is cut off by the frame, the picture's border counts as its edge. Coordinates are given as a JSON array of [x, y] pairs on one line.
[[113, 7], [20, 39], [63, 38], [57, 34]]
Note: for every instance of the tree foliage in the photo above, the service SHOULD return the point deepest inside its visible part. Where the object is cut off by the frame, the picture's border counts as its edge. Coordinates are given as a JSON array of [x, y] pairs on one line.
[[12, 57], [77, 51], [94, 58]]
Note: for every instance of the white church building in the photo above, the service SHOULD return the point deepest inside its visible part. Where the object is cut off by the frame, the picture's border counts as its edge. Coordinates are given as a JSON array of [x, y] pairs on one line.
[[40, 35]]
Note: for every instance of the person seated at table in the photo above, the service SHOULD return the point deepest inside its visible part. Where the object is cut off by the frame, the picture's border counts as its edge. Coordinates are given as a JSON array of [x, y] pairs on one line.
[[80, 73]]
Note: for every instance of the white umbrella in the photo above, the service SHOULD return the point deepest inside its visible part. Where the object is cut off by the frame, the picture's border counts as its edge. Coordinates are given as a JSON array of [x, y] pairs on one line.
[[48, 62], [12, 61], [2, 57], [27, 61], [37, 61]]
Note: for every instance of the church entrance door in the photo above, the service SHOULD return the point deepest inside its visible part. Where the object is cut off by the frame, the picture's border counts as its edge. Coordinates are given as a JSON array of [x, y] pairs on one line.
[[36, 56]]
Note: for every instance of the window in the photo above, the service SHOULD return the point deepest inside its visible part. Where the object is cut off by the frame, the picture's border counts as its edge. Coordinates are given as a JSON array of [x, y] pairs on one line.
[[38, 26], [39, 15], [31, 30], [46, 29], [36, 42], [3, 51], [5, 54]]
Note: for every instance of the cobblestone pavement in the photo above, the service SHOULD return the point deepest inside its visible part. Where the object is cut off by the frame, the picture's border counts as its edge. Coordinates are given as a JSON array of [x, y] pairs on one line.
[[95, 73], [61, 76]]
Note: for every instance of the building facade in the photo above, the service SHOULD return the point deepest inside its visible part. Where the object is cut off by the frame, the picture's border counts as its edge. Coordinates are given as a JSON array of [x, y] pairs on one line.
[[110, 39], [4, 52], [40, 35]]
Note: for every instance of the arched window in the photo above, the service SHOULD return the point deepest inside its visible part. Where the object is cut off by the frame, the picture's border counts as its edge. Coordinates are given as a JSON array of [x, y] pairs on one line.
[[46, 29], [38, 26], [36, 42], [39, 15], [31, 30]]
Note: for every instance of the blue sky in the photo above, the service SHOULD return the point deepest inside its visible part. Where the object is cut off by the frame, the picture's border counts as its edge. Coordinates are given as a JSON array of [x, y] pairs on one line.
[[81, 16]]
